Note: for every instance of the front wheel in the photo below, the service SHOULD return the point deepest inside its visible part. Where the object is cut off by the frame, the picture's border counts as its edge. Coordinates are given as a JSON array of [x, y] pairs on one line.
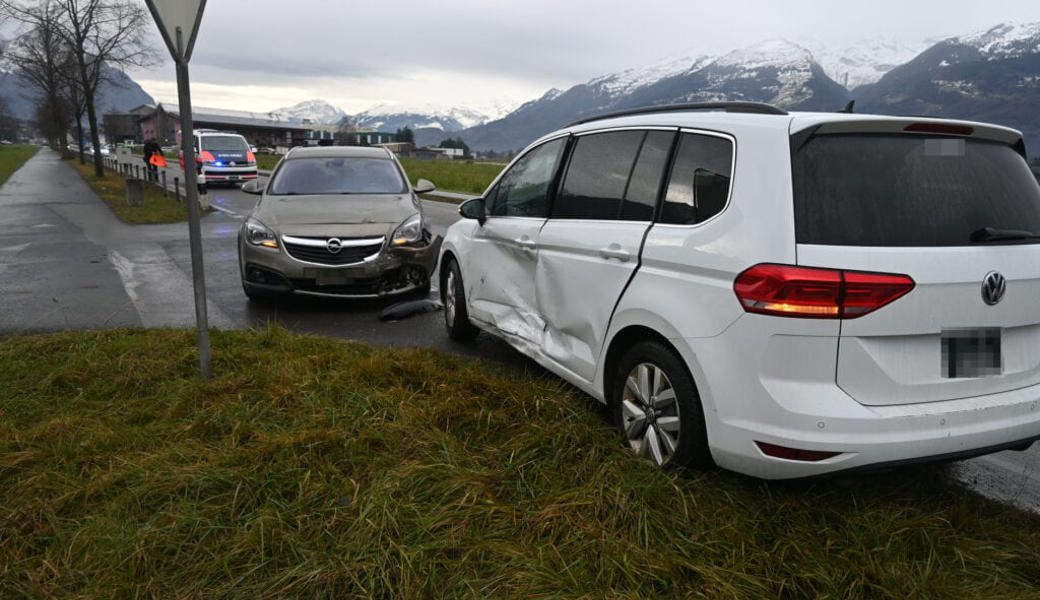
[[456, 316], [657, 408]]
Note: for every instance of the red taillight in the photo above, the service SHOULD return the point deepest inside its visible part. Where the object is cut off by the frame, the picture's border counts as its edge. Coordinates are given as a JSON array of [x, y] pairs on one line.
[[940, 128], [207, 156], [250, 157], [794, 453], [811, 293]]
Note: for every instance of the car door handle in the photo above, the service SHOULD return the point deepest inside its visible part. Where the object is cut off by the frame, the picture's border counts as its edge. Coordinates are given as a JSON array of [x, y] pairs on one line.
[[526, 243], [615, 251]]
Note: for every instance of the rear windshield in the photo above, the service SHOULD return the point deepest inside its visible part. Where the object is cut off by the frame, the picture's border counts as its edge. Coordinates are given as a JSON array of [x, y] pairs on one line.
[[224, 143], [904, 190], [337, 176]]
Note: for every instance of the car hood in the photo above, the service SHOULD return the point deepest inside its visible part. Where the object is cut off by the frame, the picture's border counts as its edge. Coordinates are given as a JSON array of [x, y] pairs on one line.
[[348, 215]]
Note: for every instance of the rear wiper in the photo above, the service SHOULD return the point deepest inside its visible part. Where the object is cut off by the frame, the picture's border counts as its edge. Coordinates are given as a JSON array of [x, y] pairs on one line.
[[991, 234]]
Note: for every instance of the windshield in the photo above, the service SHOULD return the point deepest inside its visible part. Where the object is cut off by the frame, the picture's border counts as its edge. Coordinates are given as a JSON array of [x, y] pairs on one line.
[[337, 176], [224, 143], [909, 190]]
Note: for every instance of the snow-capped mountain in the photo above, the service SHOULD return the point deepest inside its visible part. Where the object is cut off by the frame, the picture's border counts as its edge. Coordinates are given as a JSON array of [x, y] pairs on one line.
[[1005, 41], [314, 111], [618, 84], [863, 62], [390, 117], [775, 71]]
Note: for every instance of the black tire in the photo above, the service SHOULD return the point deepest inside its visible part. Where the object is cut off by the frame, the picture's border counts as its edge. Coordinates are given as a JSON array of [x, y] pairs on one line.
[[453, 295], [676, 427]]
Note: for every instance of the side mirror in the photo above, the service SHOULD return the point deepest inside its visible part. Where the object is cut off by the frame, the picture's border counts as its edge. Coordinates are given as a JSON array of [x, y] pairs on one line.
[[253, 187], [424, 186], [473, 209]]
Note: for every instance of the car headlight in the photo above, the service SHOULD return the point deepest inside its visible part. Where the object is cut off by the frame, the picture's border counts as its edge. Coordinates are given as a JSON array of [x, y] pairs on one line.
[[259, 234], [408, 233]]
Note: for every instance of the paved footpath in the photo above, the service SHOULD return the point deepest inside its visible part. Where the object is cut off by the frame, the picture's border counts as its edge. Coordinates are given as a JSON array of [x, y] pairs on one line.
[[67, 262]]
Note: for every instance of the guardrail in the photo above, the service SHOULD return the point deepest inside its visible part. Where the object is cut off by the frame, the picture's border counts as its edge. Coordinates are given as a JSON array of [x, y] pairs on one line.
[[137, 170]]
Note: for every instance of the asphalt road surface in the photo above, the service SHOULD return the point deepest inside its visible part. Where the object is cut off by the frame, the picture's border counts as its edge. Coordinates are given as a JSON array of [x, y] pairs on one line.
[[67, 263]]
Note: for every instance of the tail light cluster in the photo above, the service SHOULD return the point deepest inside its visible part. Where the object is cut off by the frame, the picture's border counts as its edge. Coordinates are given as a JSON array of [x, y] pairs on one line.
[[250, 157], [806, 292]]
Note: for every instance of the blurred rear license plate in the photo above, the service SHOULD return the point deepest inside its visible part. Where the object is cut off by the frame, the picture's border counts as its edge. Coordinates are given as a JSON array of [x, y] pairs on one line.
[[232, 177], [971, 353]]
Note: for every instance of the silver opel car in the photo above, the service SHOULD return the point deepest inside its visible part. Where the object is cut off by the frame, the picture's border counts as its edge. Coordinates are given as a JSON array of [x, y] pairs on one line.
[[338, 222]]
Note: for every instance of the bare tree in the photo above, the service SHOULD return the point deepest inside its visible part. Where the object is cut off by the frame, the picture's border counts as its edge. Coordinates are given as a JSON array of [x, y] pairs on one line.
[[104, 32], [100, 34], [43, 62]]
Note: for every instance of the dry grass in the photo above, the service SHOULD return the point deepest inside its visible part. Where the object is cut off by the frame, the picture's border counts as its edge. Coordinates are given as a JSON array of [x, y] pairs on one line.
[[320, 469], [112, 189]]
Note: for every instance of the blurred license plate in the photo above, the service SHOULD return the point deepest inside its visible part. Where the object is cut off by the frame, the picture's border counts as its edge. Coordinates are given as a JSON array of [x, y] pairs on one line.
[[971, 353], [323, 277], [232, 177]]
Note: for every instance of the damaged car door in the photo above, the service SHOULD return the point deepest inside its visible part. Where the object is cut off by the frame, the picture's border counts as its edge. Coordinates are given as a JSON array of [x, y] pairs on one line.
[[505, 247], [589, 247]]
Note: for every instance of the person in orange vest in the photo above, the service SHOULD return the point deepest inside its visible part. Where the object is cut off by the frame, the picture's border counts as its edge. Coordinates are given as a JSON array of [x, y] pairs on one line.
[[153, 159]]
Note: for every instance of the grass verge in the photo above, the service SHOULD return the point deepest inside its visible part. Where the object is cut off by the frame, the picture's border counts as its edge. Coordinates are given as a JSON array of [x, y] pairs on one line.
[[316, 468], [12, 157], [452, 176], [112, 189]]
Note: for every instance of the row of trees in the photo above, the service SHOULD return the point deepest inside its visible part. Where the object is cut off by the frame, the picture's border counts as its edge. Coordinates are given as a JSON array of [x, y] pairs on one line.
[[64, 54]]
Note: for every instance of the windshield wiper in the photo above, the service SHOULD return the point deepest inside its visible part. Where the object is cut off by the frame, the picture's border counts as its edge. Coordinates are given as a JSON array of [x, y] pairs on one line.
[[992, 234]]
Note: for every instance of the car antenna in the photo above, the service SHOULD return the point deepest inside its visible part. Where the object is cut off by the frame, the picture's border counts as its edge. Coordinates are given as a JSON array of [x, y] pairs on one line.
[[848, 107]]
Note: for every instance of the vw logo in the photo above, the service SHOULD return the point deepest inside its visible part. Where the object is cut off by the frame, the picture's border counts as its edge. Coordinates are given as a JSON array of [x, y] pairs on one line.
[[334, 245], [993, 287]]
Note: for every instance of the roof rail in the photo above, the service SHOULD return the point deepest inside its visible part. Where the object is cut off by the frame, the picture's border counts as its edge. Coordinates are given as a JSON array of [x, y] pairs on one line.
[[760, 108]]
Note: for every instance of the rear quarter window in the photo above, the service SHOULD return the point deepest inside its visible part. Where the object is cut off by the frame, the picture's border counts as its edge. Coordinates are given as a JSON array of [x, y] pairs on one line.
[[909, 190]]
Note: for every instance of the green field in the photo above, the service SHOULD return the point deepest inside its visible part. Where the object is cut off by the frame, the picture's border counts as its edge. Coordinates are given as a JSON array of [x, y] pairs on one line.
[[452, 175], [313, 468], [12, 157]]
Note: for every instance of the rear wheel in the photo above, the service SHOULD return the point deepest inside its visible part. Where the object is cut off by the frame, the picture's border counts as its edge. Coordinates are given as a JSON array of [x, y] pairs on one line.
[[456, 317], [657, 408]]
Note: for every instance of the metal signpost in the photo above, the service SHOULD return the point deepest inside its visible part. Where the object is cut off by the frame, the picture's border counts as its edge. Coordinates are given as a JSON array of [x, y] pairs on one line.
[[178, 22]]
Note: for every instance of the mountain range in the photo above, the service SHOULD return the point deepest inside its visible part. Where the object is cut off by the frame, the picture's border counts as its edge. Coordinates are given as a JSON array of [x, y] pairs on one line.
[[991, 75]]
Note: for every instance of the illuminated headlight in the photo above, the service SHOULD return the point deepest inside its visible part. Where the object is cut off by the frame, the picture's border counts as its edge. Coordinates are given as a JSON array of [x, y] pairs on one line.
[[258, 234], [409, 232]]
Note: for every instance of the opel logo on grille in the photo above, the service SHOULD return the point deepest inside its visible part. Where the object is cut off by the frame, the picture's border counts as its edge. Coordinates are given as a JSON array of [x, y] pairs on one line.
[[334, 245], [993, 287]]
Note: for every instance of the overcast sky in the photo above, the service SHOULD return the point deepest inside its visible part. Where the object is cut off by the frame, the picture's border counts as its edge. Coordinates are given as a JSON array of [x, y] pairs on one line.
[[263, 54]]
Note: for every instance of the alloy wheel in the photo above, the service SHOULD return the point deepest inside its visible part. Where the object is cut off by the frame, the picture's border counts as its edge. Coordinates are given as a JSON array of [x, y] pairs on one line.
[[650, 413]]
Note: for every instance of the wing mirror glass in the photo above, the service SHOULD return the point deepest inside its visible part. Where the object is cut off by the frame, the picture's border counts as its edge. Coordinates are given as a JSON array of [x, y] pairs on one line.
[[473, 209]]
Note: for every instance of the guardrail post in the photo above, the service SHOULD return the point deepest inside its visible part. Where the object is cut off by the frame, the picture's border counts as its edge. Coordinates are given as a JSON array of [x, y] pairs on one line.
[[177, 188], [165, 192]]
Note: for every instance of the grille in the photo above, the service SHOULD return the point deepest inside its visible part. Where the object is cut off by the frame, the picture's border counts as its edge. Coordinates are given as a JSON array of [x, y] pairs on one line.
[[314, 250]]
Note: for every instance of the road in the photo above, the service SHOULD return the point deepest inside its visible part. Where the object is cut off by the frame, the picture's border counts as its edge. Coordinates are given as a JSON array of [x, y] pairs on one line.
[[67, 263]]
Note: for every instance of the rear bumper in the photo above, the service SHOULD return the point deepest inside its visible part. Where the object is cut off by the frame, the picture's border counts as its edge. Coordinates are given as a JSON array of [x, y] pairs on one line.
[[795, 402]]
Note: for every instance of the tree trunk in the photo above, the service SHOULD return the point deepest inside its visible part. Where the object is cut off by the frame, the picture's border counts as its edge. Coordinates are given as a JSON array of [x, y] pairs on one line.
[[95, 138], [79, 139]]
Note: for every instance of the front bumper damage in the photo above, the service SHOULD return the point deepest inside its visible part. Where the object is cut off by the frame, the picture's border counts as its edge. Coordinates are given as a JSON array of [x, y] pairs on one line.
[[395, 270]]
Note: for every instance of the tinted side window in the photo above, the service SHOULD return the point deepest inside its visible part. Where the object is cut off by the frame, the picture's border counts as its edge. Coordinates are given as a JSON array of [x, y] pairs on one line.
[[598, 175], [645, 184], [700, 180], [524, 190]]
